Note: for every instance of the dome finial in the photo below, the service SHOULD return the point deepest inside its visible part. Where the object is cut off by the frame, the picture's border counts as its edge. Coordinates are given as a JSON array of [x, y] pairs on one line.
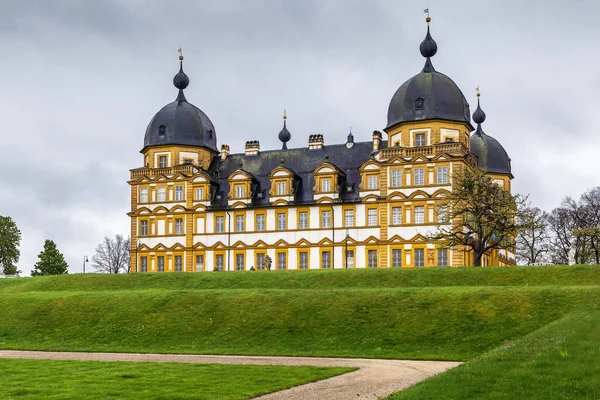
[[284, 115], [180, 51], [428, 19], [284, 134], [181, 80], [428, 46], [478, 115]]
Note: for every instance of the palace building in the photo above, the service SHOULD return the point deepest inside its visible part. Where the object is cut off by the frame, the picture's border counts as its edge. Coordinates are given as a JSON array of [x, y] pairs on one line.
[[358, 204]]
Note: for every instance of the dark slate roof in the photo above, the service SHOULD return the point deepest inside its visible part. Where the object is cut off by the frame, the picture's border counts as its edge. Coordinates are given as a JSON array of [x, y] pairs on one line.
[[302, 162], [491, 156]]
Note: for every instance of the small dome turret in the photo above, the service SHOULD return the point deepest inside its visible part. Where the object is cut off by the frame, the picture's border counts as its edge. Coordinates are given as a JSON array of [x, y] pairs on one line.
[[284, 135]]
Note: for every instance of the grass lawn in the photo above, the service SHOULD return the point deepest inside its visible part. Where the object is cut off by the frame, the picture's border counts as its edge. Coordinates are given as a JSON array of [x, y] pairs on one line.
[[36, 379]]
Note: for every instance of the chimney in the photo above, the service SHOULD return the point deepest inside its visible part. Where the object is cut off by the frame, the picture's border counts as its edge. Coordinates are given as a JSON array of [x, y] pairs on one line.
[[252, 147], [376, 140], [224, 151], [315, 142]]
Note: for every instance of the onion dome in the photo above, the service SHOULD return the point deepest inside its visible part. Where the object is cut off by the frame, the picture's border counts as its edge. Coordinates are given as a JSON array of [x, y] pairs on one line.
[[491, 156], [428, 95], [284, 135], [181, 123]]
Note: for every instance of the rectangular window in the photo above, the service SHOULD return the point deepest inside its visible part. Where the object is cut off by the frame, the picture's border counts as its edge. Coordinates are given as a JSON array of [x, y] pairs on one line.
[[442, 214], [199, 263], [348, 218], [144, 261], [372, 182], [239, 223], [419, 215], [396, 215], [179, 226], [419, 257], [325, 219], [442, 175], [178, 264], [144, 195], [199, 193], [372, 217], [219, 224], [326, 259], [303, 220], [396, 178], [372, 258], [442, 257], [325, 185], [419, 176], [178, 193], [350, 259], [162, 162], [239, 262], [260, 261], [281, 222], [396, 258], [281, 260], [420, 139], [161, 263], [281, 188], [239, 192], [143, 228], [260, 222], [303, 260], [220, 262], [161, 194]]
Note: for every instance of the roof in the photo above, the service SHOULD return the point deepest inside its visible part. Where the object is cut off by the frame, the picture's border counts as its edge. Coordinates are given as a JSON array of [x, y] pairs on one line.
[[491, 156]]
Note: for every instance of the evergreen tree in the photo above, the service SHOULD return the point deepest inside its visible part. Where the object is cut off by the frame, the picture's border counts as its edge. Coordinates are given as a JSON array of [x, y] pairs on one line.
[[10, 238], [51, 262]]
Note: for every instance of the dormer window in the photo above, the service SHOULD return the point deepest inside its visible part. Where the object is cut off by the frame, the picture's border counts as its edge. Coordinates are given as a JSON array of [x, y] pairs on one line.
[[419, 104], [326, 185], [420, 139], [373, 182], [239, 192], [161, 130], [281, 188]]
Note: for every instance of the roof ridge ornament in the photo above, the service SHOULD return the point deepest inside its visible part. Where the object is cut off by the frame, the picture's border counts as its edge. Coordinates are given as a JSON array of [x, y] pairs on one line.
[[181, 80], [428, 46]]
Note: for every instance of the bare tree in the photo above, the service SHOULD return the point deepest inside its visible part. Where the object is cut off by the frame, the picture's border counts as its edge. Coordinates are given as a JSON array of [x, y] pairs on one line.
[[560, 224], [112, 255], [532, 240]]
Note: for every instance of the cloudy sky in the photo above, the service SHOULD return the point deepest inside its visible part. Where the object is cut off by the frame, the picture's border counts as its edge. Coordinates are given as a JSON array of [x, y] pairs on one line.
[[80, 80]]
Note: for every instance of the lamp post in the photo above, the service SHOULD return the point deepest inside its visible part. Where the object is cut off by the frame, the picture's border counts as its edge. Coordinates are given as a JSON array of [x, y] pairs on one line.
[[85, 259], [347, 237]]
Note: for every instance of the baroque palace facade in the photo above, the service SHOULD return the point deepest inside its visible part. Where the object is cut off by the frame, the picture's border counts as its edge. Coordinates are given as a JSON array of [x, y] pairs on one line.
[[369, 204]]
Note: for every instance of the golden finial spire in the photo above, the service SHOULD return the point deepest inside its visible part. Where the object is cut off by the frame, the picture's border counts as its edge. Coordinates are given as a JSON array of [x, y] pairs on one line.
[[477, 90], [180, 53], [428, 19], [284, 114]]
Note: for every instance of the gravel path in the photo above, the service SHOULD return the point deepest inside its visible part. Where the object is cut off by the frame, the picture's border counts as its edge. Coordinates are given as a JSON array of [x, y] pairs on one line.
[[374, 379]]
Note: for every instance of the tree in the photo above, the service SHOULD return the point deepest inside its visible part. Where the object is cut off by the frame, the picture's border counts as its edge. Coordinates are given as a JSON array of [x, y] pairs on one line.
[[10, 239], [51, 261], [480, 215], [112, 255], [532, 239]]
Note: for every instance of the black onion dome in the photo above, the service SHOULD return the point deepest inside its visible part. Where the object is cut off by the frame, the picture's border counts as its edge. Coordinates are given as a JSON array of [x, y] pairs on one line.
[[180, 122], [428, 95], [491, 156], [284, 135]]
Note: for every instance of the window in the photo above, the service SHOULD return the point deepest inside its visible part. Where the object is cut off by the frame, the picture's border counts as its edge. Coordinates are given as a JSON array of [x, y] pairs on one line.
[[396, 258], [442, 257], [372, 182], [260, 261], [260, 222], [143, 228], [144, 261], [419, 215], [350, 259], [372, 258], [162, 162], [348, 218], [442, 214], [325, 185], [442, 175], [325, 259], [200, 263], [419, 257], [178, 263], [419, 176], [179, 226], [396, 215], [303, 220], [281, 260], [372, 217], [161, 263], [396, 178], [161, 194], [178, 193], [420, 139], [239, 191], [199, 193], [325, 219], [144, 195], [219, 262], [239, 223], [219, 224], [239, 262], [303, 260], [281, 188], [281, 222]]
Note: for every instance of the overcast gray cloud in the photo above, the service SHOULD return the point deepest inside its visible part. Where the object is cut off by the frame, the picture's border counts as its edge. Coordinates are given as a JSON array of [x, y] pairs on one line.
[[82, 79]]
